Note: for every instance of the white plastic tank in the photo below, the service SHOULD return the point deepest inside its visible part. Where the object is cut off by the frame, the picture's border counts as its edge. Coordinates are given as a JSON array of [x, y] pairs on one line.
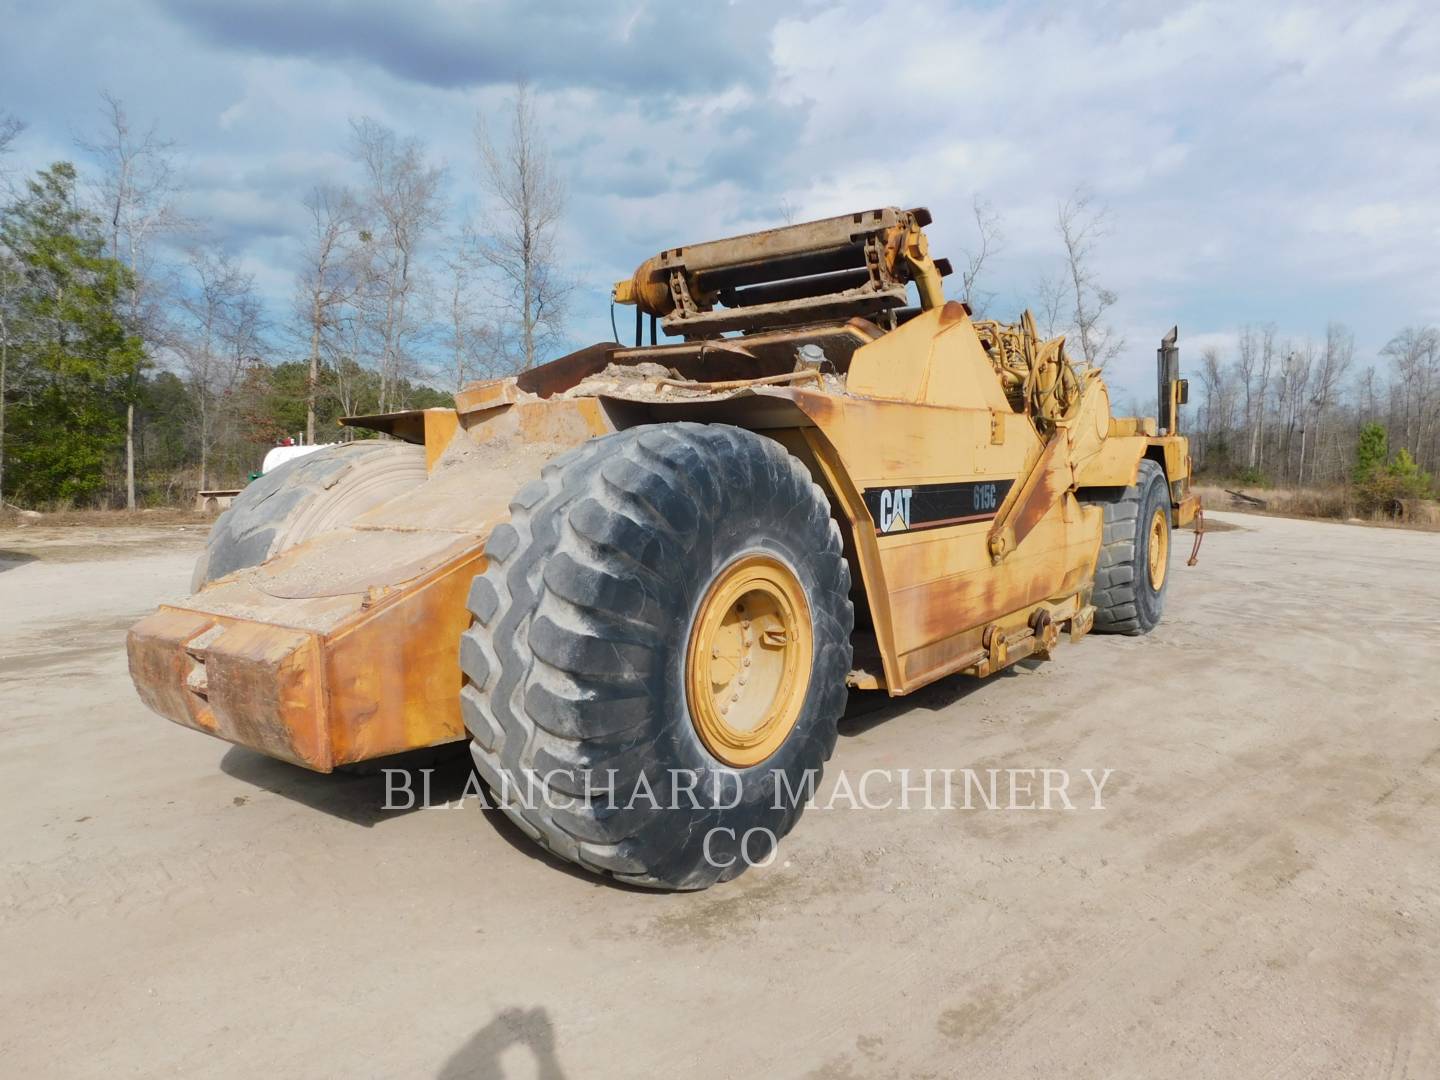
[[281, 454]]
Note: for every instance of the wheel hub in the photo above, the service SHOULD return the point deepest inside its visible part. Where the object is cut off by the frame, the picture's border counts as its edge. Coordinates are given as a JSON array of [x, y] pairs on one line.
[[747, 666], [1158, 556]]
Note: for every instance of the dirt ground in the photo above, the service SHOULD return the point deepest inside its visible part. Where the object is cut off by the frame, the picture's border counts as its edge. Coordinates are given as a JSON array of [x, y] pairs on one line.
[[1260, 895]]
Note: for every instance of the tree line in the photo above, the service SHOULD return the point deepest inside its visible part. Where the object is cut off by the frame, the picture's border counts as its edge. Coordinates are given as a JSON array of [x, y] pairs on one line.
[[137, 361], [1303, 413]]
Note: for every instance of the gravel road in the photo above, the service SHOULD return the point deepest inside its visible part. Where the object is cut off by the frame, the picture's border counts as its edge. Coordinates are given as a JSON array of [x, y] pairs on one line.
[[1259, 896]]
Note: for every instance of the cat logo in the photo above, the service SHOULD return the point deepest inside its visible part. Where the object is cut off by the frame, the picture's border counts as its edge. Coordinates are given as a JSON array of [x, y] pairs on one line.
[[895, 509]]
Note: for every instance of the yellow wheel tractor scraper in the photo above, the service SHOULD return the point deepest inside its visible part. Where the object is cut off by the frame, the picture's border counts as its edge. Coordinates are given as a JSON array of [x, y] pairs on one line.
[[658, 568]]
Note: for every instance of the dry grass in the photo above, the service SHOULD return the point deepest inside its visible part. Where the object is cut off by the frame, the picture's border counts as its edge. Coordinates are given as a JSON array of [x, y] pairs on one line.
[[1325, 504], [13, 518]]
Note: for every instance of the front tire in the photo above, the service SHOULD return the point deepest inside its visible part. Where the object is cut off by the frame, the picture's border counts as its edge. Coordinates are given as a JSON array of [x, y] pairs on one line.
[[1133, 573], [639, 577], [304, 497]]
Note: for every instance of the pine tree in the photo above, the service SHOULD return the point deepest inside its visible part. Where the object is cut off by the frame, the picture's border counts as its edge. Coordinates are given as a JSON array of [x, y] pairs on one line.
[[71, 357], [1371, 451]]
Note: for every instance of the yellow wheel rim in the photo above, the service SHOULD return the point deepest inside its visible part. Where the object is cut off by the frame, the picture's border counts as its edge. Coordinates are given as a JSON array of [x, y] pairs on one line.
[[1158, 559], [747, 664]]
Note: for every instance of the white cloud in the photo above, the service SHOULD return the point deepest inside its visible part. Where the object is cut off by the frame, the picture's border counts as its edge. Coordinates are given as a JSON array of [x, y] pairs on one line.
[[1261, 162]]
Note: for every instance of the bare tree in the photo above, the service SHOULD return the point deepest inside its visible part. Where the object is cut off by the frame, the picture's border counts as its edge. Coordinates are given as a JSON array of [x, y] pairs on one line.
[[402, 205], [1081, 224], [518, 238], [347, 378], [1262, 389], [1050, 300], [1247, 347], [137, 189], [1216, 418], [1291, 392], [10, 128], [1296, 412], [1415, 353], [1332, 365], [222, 334], [331, 278], [469, 337], [11, 283], [988, 238]]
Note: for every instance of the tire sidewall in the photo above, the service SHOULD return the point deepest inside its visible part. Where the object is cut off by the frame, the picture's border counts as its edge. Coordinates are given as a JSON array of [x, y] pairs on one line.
[[1149, 601], [575, 665], [678, 752], [287, 505]]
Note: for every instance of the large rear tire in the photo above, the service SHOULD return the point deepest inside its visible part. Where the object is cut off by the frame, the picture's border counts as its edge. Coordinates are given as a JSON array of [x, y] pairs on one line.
[[663, 628], [1132, 573], [305, 497]]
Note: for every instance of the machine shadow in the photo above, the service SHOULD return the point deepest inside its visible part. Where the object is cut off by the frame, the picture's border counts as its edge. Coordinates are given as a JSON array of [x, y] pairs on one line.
[[479, 1057], [358, 796], [868, 709], [9, 560]]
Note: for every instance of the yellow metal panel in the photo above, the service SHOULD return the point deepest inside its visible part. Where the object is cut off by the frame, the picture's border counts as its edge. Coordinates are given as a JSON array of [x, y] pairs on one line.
[[1115, 464], [394, 677], [932, 592], [934, 359], [1176, 450], [478, 396], [440, 425], [892, 443]]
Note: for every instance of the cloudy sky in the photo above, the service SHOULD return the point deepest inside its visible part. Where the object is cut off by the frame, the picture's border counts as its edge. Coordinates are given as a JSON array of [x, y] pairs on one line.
[[1261, 162]]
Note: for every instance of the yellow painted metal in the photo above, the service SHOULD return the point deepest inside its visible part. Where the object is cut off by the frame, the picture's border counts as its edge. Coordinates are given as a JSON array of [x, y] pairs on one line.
[[364, 671], [1133, 425], [934, 359], [646, 289], [1183, 512], [1157, 559], [931, 592], [1114, 464], [922, 268], [440, 426], [748, 661]]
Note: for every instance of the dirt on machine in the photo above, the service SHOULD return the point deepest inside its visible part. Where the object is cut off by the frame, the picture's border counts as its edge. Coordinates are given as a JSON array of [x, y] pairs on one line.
[[643, 578]]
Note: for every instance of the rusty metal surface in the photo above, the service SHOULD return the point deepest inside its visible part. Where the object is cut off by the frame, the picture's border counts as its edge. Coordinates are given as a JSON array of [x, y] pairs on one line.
[[407, 426], [253, 684], [561, 374], [931, 593], [385, 680], [344, 648], [857, 264], [393, 678], [1048, 480]]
